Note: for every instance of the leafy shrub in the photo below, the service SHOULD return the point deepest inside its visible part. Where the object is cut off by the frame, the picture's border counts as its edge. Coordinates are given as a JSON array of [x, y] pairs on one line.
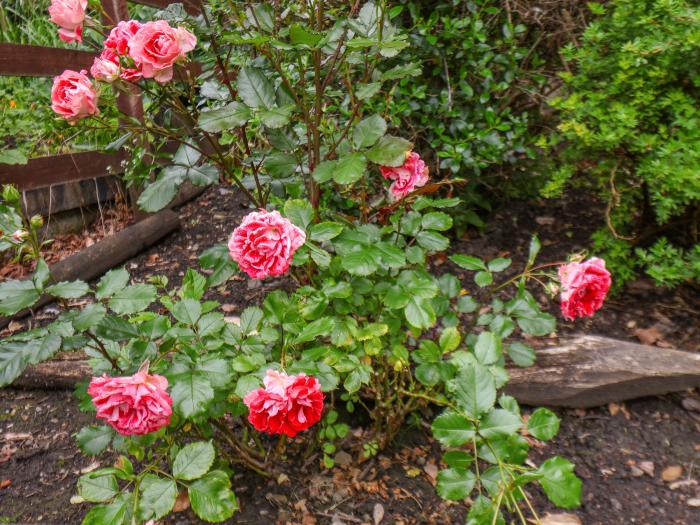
[[283, 109], [467, 104], [630, 125]]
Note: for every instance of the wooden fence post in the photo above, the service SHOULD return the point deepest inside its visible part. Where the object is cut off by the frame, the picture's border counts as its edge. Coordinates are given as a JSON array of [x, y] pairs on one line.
[[129, 101]]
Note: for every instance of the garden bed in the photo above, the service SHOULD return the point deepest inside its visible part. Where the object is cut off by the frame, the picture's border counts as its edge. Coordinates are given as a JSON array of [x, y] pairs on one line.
[[609, 445]]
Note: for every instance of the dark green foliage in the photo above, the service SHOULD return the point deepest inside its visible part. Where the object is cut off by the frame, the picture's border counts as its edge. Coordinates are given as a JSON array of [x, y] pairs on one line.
[[467, 105]]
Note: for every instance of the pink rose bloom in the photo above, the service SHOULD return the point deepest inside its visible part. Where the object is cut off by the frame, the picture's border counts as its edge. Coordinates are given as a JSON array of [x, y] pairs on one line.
[[287, 404], [73, 96], [156, 47], [104, 68], [264, 244], [133, 405], [119, 36], [584, 287], [69, 15], [413, 174]]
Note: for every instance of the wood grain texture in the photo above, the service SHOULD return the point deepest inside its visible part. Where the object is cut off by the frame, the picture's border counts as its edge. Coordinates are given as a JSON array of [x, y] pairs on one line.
[[46, 171], [587, 371], [38, 61]]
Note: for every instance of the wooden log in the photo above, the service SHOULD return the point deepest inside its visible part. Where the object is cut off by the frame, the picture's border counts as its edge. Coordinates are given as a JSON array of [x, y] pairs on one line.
[[587, 371], [584, 371], [95, 260]]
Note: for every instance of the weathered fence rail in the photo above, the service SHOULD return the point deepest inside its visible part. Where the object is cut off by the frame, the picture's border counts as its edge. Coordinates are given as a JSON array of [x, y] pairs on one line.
[[38, 61]]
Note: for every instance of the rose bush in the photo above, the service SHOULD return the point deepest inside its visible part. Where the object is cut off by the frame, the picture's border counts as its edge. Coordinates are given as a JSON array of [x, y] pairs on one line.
[[280, 110]]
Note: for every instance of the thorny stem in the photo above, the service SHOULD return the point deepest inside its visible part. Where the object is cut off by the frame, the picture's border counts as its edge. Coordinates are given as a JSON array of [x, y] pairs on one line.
[[527, 273]]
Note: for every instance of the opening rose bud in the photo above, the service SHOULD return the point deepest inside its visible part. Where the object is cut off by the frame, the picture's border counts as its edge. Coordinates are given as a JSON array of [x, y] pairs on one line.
[[69, 15], [132, 405], [264, 244], [584, 287], [287, 405], [407, 177]]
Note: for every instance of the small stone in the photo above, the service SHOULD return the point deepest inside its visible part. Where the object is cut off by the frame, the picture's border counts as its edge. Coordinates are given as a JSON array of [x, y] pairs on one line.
[[672, 473], [654, 500], [693, 502], [636, 471], [691, 403], [378, 513], [342, 458], [560, 519], [616, 504], [647, 467]]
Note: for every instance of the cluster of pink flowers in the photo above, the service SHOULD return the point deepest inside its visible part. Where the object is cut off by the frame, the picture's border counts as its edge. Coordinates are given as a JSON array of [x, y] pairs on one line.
[[151, 50], [107, 67], [264, 244], [584, 286], [407, 177], [287, 405], [132, 405], [133, 50]]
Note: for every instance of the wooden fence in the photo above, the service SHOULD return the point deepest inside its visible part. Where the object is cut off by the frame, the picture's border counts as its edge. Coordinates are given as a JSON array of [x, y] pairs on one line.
[[24, 60]]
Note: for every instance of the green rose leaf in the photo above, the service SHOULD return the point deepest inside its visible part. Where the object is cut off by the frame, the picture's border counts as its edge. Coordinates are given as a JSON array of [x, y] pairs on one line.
[[543, 424], [68, 289], [255, 89], [452, 429], [230, 116], [389, 151], [112, 282], [89, 316], [499, 421], [559, 482], [420, 313], [158, 497], [194, 460], [450, 339], [468, 262], [325, 231], [94, 439], [116, 513], [436, 220], [474, 389], [458, 459], [455, 483], [521, 354], [350, 169], [211, 497], [368, 131], [498, 265], [133, 299], [488, 348], [17, 295], [300, 212], [191, 394], [98, 487]]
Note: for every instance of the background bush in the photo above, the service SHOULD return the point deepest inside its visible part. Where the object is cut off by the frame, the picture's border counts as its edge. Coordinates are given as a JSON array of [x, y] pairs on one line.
[[630, 129]]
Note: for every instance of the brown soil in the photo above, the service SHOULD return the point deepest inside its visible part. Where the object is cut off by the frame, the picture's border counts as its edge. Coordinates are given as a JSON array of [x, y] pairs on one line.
[[42, 468]]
